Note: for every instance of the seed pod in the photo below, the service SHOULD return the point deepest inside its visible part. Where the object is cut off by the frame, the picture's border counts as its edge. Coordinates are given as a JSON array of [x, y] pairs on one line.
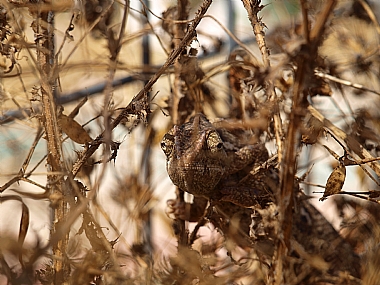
[[335, 181]]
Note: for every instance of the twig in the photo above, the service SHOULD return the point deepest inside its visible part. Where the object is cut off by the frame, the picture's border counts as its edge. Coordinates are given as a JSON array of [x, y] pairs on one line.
[[189, 36], [347, 161], [151, 28], [371, 15], [44, 33], [305, 67], [122, 29], [344, 82], [92, 26], [319, 28], [305, 19], [139, 96], [67, 35], [114, 47], [351, 142], [228, 32], [253, 8], [357, 195]]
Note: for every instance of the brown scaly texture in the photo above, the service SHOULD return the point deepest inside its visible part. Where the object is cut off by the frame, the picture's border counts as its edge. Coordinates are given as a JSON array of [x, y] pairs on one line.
[[212, 163], [226, 168]]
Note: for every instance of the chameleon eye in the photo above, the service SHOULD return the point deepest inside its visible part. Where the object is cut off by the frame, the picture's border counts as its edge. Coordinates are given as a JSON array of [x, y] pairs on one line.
[[214, 142], [167, 144], [166, 147]]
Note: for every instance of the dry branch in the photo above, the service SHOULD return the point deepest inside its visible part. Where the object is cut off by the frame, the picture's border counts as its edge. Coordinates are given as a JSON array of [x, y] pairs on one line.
[[304, 71], [44, 23], [138, 103]]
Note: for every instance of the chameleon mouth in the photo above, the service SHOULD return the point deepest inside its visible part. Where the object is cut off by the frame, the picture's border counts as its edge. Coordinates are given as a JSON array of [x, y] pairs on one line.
[[202, 168], [199, 167], [197, 179]]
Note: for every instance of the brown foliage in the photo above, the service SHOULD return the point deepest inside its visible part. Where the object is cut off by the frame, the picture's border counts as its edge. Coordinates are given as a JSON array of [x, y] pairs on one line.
[[304, 87]]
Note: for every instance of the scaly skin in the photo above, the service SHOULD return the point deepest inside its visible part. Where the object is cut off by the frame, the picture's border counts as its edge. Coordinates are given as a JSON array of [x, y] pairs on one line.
[[222, 166], [200, 162]]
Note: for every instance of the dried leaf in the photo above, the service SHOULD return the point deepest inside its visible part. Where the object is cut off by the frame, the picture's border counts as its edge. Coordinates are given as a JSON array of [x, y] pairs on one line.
[[335, 181], [73, 129], [24, 225]]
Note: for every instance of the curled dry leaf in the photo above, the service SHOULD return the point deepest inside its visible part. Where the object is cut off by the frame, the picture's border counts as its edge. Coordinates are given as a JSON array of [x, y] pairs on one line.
[[24, 225], [73, 129], [335, 181]]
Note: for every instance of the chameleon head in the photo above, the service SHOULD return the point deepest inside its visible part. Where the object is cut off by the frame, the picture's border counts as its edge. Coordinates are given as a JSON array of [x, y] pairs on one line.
[[195, 156]]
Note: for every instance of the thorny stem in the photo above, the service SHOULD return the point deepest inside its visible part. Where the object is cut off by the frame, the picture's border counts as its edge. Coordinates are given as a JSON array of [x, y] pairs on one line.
[[45, 59], [304, 71], [253, 8], [179, 33]]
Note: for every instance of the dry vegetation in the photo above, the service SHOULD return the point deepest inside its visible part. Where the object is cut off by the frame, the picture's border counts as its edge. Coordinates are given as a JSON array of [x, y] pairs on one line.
[[308, 87]]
